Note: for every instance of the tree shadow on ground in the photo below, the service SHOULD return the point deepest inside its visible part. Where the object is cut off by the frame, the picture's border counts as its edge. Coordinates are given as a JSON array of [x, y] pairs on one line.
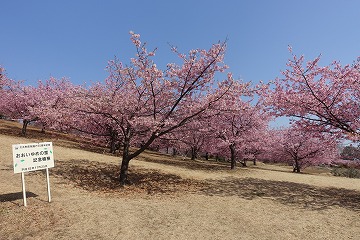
[[185, 163], [276, 170], [289, 169], [101, 177], [95, 176], [10, 197], [10, 130], [288, 193]]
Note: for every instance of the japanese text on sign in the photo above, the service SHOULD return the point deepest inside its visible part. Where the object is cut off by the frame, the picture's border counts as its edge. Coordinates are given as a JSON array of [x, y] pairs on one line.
[[32, 156]]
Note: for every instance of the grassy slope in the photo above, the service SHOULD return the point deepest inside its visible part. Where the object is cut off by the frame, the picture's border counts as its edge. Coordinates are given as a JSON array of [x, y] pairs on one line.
[[171, 198]]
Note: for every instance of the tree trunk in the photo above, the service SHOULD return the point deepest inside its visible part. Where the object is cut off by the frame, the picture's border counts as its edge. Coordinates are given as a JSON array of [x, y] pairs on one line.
[[43, 128], [124, 172], [233, 160], [25, 124], [254, 161], [296, 167], [112, 147], [126, 157], [243, 163], [125, 164], [193, 153], [113, 141]]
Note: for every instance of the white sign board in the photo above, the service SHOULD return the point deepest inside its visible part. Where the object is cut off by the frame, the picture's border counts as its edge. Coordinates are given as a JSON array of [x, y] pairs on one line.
[[32, 156]]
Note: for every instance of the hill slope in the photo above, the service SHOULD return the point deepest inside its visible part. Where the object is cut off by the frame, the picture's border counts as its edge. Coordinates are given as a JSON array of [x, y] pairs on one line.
[[170, 198]]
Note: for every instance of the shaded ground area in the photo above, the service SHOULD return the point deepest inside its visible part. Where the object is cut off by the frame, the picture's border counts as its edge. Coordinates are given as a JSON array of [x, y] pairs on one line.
[[185, 163], [94, 176], [102, 177], [9, 197], [289, 193]]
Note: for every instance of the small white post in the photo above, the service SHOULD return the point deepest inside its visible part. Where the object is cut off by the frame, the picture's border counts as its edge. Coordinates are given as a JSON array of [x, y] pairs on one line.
[[48, 184], [23, 188]]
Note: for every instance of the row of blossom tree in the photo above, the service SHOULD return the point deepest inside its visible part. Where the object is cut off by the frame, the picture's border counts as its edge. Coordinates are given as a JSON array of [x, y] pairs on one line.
[[140, 106]]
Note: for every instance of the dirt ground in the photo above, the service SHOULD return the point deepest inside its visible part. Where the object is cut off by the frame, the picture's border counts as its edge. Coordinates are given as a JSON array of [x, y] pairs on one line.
[[172, 199]]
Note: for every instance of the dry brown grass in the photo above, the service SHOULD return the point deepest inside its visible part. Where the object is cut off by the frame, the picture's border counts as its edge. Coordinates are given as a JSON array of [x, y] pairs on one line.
[[170, 198]]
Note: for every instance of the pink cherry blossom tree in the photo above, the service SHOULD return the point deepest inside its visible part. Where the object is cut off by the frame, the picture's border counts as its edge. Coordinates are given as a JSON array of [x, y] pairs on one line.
[[29, 104], [53, 96], [239, 123], [256, 143], [196, 137], [164, 101], [16, 100], [86, 111], [143, 103], [325, 97], [302, 147]]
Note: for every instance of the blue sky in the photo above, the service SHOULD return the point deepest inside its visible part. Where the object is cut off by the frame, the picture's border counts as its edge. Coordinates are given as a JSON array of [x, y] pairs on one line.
[[75, 38]]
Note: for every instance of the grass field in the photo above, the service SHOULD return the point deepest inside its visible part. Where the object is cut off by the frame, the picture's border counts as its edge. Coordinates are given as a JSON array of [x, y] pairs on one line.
[[170, 198]]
